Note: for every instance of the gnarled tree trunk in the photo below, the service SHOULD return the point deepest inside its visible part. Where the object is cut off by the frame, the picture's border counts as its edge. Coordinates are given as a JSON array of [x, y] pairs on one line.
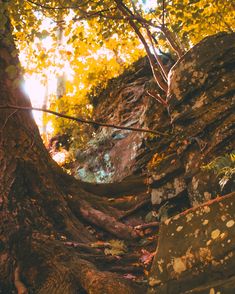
[[41, 207]]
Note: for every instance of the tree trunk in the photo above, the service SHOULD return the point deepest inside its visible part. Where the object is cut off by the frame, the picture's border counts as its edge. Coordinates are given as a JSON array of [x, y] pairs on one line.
[[41, 208], [61, 79]]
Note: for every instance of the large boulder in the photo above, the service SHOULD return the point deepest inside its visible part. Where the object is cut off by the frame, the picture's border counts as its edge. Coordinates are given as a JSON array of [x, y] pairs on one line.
[[195, 252]]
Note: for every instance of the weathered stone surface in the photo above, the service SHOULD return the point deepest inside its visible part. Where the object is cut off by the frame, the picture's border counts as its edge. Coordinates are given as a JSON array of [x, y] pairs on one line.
[[168, 191], [196, 252], [115, 154], [202, 76], [201, 99], [203, 187], [203, 114], [169, 167], [195, 248]]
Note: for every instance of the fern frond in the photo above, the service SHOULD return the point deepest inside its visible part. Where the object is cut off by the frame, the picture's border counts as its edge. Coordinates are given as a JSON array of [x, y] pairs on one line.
[[223, 167]]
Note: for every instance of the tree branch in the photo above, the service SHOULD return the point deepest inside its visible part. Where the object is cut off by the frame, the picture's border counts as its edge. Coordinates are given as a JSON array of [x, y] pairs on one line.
[[162, 69], [91, 122], [158, 98], [157, 75], [159, 62]]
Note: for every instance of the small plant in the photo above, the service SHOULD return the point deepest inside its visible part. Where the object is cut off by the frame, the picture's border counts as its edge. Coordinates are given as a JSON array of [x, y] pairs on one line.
[[156, 159], [223, 167]]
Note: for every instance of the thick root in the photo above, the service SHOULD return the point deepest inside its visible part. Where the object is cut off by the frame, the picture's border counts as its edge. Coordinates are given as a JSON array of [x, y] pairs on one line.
[[67, 273]]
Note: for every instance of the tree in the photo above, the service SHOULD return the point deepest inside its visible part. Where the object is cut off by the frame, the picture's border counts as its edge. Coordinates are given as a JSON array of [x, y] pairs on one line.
[[42, 207]]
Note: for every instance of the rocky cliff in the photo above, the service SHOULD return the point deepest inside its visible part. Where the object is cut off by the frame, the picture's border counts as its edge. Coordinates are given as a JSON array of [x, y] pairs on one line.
[[195, 251]]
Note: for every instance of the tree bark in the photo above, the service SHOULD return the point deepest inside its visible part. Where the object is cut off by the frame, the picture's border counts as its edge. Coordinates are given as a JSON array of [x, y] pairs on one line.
[[41, 207]]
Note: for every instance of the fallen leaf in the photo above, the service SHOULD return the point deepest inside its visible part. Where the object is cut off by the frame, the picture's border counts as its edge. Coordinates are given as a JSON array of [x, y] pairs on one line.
[[116, 247], [146, 257]]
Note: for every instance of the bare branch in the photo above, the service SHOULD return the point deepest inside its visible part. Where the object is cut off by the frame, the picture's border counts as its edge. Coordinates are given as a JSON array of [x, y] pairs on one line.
[[100, 13], [158, 98], [157, 76], [161, 66], [172, 41], [90, 122]]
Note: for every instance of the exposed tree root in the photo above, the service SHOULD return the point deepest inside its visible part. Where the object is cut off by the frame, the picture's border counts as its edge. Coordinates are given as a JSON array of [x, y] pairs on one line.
[[42, 208], [51, 263], [68, 272], [83, 247], [110, 190], [57, 256], [146, 226], [20, 287], [127, 269], [106, 222], [131, 211]]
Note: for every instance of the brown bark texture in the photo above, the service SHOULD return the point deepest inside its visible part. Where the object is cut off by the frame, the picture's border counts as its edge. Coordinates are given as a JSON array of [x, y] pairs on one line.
[[42, 209]]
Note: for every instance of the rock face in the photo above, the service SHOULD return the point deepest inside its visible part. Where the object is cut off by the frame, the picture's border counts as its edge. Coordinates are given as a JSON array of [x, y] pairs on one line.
[[201, 103], [115, 154], [195, 251], [199, 124]]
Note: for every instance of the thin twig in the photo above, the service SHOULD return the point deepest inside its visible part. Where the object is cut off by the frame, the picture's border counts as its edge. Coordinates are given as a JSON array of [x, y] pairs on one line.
[[7, 119], [158, 98], [91, 122], [156, 74], [83, 246], [161, 66]]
